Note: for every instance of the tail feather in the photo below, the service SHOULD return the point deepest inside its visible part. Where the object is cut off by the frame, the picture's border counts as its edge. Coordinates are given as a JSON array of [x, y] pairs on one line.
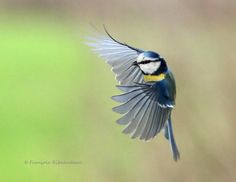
[[168, 132]]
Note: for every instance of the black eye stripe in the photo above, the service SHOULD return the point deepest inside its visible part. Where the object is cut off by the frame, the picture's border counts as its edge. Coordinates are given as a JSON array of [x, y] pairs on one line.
[[145, 62]]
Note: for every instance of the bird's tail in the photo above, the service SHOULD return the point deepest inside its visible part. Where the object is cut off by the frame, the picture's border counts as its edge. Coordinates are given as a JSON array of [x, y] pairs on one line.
[[168, 132]]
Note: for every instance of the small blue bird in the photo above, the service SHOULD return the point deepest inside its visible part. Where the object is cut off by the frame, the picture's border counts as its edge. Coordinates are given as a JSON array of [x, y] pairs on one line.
[[148, 86]]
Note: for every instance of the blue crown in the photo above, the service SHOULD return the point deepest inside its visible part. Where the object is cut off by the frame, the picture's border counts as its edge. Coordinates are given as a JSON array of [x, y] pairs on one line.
[[151, 54]]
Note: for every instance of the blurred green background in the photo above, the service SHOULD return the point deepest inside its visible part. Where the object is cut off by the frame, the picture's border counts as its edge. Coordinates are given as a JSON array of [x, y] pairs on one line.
[[55, 93]]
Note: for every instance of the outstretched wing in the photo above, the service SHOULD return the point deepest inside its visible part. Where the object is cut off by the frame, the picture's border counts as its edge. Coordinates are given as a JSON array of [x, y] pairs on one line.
[[120, 56], [146, 108]]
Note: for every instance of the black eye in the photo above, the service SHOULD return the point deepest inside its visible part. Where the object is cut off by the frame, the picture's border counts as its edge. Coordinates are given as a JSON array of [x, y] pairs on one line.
[[145, 62]]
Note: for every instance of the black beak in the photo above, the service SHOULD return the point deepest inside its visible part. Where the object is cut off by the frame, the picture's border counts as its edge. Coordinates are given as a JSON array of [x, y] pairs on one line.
[[135, 63]]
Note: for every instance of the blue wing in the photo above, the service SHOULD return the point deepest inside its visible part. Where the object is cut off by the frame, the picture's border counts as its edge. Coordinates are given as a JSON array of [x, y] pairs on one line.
[[146, 109]]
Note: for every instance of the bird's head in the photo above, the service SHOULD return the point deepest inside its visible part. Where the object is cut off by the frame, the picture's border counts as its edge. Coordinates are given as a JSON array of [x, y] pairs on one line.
[[151, 63]]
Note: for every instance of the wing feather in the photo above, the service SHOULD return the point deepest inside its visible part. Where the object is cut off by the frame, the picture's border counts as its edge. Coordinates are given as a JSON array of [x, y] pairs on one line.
[[124, 108], [144, 119], [150, 120], [144, 115], [119, 56], [138, 114]]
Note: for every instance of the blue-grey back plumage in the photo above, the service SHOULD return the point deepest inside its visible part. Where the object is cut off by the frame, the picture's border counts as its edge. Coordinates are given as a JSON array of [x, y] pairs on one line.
[[146, 105]]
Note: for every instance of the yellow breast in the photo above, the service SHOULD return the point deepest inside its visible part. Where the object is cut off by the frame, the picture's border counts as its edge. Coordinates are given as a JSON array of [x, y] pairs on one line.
[[152, 78]]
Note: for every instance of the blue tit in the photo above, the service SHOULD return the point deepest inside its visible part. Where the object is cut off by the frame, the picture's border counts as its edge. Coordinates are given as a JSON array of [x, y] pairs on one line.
[[148, 88]]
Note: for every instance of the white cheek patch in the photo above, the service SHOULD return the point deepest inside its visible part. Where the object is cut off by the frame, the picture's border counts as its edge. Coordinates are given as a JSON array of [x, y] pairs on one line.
[[150, 68], [141, 58]]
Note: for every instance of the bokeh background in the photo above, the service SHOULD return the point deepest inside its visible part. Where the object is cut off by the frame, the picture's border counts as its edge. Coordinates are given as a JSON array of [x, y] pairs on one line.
[[55, 93]]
